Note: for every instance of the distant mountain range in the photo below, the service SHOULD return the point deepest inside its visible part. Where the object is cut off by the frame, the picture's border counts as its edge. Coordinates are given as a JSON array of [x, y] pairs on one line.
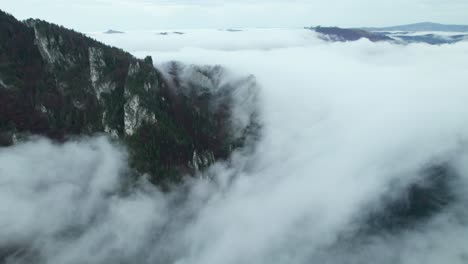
[[424, 26], [398, 35]]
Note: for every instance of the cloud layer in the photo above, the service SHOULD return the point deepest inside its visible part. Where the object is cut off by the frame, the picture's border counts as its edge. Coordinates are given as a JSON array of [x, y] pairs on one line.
[[342, 123]]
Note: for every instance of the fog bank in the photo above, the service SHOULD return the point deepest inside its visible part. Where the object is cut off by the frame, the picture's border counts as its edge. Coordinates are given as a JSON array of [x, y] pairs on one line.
[[345, 126]]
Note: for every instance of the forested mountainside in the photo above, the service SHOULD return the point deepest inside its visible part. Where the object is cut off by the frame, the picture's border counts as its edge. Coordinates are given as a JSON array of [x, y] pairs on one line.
[[58, 83]]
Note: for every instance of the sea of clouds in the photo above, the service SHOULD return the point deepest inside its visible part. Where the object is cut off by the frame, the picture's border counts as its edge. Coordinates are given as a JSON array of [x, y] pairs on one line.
[[341, 122]]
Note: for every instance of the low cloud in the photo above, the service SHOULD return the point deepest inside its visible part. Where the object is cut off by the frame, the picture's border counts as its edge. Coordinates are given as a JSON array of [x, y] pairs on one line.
[[342, 123]]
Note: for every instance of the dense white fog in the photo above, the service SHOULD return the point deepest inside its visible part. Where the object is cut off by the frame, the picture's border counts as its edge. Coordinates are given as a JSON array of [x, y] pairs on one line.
[[344, 125], [223, 39]]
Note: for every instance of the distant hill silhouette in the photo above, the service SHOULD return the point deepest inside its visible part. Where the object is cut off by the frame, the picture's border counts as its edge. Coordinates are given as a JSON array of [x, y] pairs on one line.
[[424, 26], [111, 31]]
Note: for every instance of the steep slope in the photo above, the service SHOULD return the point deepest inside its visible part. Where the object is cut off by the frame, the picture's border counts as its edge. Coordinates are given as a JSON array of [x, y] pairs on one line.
[[58, 83]]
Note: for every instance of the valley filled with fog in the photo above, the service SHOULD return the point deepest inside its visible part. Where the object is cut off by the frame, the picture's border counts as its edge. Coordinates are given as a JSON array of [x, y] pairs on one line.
[[346, 129]]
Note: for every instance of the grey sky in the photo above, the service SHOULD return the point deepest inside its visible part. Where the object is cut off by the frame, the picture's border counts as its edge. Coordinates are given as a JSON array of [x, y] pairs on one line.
[[90, 15]]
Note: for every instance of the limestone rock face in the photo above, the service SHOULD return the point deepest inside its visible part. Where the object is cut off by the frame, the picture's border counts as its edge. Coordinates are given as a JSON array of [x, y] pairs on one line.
[[135, 115]]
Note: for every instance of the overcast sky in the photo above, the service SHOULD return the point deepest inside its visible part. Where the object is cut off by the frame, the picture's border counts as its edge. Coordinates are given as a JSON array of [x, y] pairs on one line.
[[97, 15]]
